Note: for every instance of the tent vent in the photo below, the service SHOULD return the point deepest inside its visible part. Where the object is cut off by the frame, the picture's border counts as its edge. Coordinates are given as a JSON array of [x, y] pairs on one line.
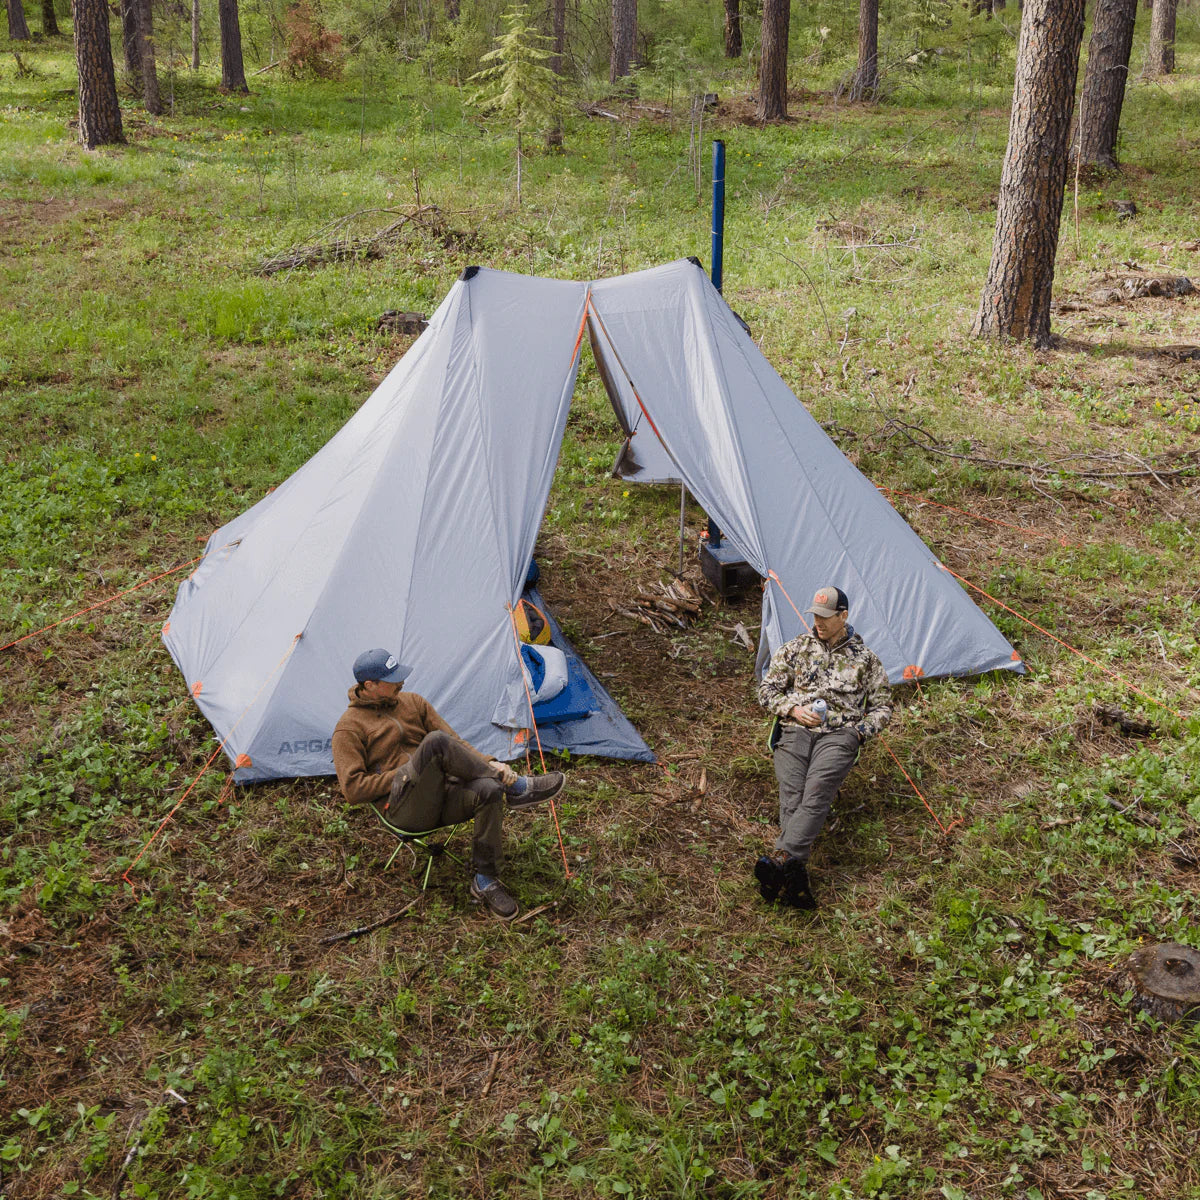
[[469, 273]]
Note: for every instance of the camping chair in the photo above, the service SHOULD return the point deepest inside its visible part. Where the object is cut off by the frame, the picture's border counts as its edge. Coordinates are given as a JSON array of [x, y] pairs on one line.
[[407, 839]]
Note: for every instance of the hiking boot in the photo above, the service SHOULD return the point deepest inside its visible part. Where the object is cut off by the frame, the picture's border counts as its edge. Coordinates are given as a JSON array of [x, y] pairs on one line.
[[768, 870], [796, 889], [535, 789], [495, 898]]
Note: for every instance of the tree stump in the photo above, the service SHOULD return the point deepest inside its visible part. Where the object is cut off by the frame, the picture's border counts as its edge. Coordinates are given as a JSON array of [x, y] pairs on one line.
[[402, 322], [1166, 981]]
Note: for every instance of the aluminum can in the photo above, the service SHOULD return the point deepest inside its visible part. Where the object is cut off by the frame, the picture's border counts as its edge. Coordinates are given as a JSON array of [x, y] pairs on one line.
[[821, 709]]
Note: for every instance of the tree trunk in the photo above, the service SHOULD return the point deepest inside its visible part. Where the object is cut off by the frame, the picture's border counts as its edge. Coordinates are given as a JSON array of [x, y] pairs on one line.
[[624, 29], [99, 112], [151, 96], [772, 82], [1016, 296], [1160, 57], [130, 41], [558, 64], [195, 35], [451, 10], [866, 78], [1104, 81], [18, 27], [733, 28], [49, 20], [233, 72]]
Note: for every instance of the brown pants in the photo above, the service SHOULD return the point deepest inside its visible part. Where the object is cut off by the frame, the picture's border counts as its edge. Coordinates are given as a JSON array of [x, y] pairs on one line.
[[446, 782], [810, 768]]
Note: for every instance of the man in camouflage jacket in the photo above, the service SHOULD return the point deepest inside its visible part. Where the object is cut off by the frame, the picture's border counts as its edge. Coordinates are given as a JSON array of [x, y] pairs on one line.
[[815, 749]]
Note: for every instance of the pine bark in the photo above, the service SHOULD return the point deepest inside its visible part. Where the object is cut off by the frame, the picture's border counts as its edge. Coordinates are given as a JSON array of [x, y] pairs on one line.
[[99, 112], [1160, 57], [233, 71], [49, 20], [18, 27], [1104, 81], [1016, 296], [131, 42], [772, 81], [624, 30], [733, 28], [151, 96], [866, 77]]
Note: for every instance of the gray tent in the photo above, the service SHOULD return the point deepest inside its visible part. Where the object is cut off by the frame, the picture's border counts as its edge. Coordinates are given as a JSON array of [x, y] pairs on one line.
[[414, 526]]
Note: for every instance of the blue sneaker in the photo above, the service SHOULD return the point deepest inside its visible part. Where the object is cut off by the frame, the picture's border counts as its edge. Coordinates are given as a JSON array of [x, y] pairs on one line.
[[494, 896], [534, 789]]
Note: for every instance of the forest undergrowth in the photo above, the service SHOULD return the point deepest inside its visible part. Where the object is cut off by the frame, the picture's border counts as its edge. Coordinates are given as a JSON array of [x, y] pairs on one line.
[[955, 1021]]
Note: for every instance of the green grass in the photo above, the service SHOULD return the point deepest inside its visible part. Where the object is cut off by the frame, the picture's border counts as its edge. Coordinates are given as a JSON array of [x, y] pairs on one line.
[[951, 1024]]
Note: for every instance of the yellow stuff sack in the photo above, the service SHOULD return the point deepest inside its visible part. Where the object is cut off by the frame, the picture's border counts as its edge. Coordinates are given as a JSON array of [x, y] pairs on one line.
[[532, 625]]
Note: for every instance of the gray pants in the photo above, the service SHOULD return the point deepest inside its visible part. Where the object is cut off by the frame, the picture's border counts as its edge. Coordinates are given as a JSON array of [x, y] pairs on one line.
[[810, 768], [445, 782]]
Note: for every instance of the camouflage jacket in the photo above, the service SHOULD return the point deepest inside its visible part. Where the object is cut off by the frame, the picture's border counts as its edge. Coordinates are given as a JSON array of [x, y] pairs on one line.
[[848, 677]]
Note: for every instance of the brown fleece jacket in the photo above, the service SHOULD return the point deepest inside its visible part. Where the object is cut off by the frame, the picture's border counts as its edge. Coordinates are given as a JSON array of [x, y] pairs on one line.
[[373, 739]]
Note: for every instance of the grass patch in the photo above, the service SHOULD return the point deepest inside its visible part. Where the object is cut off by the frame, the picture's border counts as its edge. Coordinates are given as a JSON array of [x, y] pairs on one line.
[[950, 1024]]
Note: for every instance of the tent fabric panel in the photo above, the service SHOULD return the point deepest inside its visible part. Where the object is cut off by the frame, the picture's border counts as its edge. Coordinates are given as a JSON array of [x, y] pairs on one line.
[[234, 621], [759, 463], [642, 457], [413, 531]]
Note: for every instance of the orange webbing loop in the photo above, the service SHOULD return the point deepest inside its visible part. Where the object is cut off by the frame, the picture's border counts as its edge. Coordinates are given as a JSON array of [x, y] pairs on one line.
[[976, 516], [512, 620], [212, 758], [587, 304], [101, 603], [1066, 645], [944, 828]]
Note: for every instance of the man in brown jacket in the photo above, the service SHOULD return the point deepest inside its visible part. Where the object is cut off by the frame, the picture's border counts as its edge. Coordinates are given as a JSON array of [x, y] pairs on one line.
[[391, 749]]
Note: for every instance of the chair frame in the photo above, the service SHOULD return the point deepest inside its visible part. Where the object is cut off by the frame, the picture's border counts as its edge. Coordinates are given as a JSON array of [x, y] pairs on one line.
[[406, 839]]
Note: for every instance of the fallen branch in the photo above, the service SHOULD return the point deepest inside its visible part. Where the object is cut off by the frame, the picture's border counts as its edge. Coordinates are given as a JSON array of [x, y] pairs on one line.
[[363, 929], [340, 248], [487, 1087], [922, 439], [534, 912]]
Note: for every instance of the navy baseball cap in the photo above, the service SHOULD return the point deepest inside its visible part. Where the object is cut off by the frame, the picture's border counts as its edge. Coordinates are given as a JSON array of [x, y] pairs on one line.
[[382, 665]]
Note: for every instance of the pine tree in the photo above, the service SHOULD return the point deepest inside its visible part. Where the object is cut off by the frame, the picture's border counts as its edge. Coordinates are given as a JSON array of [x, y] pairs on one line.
[[519, 86]]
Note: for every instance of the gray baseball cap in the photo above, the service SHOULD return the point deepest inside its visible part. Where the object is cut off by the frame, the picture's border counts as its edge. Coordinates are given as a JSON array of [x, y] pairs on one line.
[[382, 665], [829, 601]]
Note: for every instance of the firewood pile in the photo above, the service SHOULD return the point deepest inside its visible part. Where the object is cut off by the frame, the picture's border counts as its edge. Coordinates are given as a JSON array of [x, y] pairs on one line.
[[674, 604]]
